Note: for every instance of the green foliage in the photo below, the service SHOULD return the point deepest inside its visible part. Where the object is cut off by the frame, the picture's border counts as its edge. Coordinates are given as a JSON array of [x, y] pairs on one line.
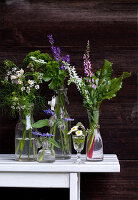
[[106, 87], [53, 142], [55, 75], [41, 123], [51, 70], [15, 90], [38, 55]]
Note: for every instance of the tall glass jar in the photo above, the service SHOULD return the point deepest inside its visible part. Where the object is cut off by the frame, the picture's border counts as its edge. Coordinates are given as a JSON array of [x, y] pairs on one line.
[[25, 149], [94, 147], [60, 125]]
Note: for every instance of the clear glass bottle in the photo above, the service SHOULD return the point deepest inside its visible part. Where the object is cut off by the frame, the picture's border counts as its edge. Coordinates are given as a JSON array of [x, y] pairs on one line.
[[60, 125], [25, 149], [46, 154], [94, 146]]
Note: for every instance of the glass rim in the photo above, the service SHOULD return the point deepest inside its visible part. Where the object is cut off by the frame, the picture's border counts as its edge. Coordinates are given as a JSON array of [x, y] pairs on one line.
[[78, 136]]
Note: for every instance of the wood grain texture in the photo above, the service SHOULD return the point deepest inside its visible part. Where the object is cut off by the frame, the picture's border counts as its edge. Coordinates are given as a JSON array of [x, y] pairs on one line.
[[111, 27]]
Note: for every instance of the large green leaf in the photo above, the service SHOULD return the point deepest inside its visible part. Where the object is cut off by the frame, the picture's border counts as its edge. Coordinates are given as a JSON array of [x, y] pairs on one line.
[[113, 86], [41, 123], [106, 70]]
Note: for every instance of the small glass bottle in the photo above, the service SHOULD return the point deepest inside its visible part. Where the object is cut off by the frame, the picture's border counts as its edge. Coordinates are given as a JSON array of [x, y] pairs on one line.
[[46, 154]]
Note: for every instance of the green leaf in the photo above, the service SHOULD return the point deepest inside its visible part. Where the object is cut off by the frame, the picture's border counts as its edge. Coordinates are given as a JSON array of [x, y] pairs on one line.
[[53, 85], [106, 70], [41, 123], [46, 79], [52, 141], [113, 86], [125, 75]]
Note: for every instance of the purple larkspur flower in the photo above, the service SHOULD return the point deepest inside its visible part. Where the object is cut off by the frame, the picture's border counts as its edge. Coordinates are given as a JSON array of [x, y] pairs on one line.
[[49, 112], [36, 133], [42, 134], [56, 53], [51, 41], [47, 135]]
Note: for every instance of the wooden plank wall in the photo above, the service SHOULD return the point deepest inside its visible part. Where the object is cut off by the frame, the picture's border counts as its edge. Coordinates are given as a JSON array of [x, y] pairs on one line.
[[111, 27]]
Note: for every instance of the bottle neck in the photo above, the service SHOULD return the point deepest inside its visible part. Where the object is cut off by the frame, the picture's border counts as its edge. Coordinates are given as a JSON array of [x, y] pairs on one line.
[[93, 118], [45, 144], [60, 108], [26, 113]]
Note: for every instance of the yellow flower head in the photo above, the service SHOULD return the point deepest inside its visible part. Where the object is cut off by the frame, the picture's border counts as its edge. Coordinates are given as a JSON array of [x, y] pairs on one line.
[[79, 133], [74, 128]]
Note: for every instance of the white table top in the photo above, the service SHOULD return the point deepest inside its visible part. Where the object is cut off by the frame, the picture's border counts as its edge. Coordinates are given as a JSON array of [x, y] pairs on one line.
[[109, 164]]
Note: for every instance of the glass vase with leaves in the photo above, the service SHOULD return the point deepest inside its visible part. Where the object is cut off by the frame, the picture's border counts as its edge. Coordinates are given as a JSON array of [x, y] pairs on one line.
[[95, 88], [55, 75], [46, 153]]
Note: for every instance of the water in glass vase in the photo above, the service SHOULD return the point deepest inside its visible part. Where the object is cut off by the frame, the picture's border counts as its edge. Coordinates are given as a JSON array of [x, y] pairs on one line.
[[25, 149], [60, 124]]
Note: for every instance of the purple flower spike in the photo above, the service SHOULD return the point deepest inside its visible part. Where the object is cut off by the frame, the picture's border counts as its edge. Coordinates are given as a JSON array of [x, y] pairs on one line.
[[49, 112], [47, 135], [56, 53], [51, 41], [42, 134], [36, 133]]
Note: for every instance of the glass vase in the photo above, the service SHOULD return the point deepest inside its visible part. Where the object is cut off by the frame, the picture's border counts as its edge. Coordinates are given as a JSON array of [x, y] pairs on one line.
[[60, 124], [94, 146], [46, 154], [78, 143], [25, 149]]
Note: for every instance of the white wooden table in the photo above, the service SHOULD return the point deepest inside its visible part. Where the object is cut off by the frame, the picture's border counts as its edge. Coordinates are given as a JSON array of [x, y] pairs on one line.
[[60, 174]]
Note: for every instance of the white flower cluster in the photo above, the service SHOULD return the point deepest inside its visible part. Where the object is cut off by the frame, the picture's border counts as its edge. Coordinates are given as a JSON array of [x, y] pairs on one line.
[[30, 84], [18, 77], [73, 75], [38, 60], [15, 76], [77, 80]]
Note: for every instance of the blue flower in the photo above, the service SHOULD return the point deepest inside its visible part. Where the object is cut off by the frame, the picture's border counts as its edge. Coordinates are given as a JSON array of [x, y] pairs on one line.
[[36, 133], [42, 134], [49, 112], [66, 119], [47, 135]]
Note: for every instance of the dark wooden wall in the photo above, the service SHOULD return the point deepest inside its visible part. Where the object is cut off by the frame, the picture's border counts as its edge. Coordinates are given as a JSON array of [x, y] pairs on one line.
[[111, 27]]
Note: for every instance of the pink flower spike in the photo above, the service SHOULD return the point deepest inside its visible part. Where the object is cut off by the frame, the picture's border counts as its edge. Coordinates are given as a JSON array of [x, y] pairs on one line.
[[94, 86]]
